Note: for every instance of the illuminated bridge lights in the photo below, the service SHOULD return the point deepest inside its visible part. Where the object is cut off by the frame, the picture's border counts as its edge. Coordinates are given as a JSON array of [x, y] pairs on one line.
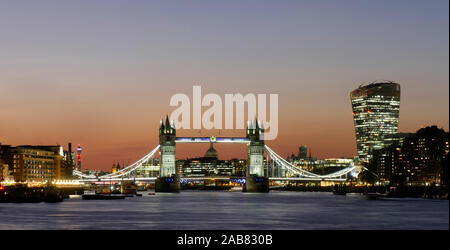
[[278, 160], [212, 139], [183, 181], [238, 180]]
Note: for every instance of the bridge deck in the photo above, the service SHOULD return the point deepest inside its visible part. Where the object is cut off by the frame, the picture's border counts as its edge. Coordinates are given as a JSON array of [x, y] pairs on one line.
[[212, 139], [221, 178]]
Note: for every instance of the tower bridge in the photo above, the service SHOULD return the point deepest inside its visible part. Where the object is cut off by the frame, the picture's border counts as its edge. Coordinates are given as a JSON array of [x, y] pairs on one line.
[[212, 139], [255, 181]]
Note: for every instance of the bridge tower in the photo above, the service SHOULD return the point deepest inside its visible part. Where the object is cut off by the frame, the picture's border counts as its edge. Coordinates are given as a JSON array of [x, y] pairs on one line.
[[255, 180], [168, 180]]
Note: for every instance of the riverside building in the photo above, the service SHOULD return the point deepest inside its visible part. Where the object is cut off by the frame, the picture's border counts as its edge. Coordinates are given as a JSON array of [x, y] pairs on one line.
[[34, 163]]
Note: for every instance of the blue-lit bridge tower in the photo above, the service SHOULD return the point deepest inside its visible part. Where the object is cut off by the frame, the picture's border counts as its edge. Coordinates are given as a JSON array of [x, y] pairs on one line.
[[255, 180], [168, 180]]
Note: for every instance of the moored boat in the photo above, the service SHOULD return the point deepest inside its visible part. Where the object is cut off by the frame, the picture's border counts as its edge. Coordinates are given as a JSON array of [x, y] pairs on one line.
[[102, 197], [92, 195], [374, 196]]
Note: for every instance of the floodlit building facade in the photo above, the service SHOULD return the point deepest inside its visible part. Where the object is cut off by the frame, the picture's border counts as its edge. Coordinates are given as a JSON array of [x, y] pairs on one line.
[[34, 163]]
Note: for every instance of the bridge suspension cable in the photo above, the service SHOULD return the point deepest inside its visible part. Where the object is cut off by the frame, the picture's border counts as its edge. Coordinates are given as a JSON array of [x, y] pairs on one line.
[[123, 171], [80, 174], [274, 156], [280, 161]]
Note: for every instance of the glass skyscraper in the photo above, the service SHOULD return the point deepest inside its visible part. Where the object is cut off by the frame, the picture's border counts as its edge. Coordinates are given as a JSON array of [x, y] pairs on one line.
[[375, 113]]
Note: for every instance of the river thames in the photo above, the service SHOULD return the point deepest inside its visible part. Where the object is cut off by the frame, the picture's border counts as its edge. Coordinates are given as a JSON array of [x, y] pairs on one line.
[[228, 211]]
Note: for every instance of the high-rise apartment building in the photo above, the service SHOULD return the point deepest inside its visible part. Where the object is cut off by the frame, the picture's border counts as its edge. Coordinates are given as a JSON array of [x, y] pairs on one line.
[[422, 158]]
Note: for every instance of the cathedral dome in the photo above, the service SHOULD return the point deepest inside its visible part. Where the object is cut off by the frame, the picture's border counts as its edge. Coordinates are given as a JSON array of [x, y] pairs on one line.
[[211, 152]]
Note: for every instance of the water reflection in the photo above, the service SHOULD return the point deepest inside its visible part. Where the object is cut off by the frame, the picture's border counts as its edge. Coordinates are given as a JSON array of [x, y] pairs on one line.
[[229, 210]]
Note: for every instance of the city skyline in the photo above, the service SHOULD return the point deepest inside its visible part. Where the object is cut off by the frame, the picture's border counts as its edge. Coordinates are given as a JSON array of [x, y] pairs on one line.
[[106, 85], [202, 121]]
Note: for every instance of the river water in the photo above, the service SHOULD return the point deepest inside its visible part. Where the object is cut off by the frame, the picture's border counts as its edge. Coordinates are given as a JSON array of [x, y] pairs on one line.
[[228, 211]]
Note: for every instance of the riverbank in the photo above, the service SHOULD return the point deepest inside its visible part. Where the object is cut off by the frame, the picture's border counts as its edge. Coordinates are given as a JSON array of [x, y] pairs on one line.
[[427, 192], [24, 194]]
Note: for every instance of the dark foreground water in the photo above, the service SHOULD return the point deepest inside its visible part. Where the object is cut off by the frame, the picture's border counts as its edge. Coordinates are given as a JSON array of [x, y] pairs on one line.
[[230, 210]]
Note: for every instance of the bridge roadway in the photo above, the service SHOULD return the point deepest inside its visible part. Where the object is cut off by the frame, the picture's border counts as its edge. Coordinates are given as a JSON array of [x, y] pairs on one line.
[[212, 139], [220, 178]]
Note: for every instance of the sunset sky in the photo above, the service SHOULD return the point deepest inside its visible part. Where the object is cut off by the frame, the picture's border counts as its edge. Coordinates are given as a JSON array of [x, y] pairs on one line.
[[101, 73]]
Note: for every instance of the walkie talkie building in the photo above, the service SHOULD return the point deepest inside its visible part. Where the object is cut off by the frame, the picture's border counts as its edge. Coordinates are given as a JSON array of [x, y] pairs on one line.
[[376, 110]]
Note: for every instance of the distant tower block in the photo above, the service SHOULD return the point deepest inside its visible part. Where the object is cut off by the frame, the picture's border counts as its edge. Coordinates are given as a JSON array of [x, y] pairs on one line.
[[255, 180], [79, 150], [168, 181], [302, 152]]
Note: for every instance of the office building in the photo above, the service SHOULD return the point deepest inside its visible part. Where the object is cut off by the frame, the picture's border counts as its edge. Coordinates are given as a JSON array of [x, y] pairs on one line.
[[376, 110], [34, 163], [210, 165], [302, 152]]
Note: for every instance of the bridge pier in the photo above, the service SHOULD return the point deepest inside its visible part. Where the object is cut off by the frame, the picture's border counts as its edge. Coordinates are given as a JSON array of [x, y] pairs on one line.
[[168, 184], [255, 184]]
